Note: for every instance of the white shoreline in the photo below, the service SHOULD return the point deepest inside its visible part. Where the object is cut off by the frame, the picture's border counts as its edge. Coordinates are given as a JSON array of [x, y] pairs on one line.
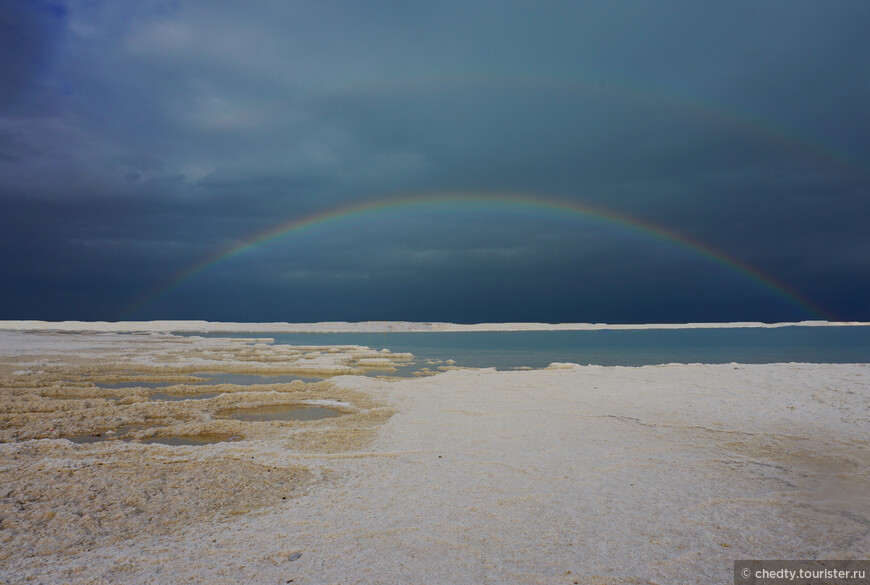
[[378, 326], [589, 474]]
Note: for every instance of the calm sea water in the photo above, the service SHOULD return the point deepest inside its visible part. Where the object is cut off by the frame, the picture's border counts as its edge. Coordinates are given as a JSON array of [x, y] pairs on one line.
[[632, 347]]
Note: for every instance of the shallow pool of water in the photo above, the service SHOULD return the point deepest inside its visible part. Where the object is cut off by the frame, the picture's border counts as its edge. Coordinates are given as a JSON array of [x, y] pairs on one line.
[[625, 347], [138, 384]]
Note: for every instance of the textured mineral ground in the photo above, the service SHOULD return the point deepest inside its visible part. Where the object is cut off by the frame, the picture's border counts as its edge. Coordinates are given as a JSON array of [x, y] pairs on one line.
[[125, 459]]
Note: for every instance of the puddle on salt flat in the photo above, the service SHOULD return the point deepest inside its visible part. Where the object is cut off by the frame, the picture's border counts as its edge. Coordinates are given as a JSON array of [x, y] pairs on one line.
[[139, 384], [203, 439], [282, 412], [164, 396], [402, 370]]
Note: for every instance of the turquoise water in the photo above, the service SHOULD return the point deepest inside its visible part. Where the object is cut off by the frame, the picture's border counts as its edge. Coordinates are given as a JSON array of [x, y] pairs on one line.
[[630, 347]]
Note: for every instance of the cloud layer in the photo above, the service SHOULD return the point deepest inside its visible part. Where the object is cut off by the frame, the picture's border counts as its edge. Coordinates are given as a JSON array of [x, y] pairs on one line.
[[139, 138]]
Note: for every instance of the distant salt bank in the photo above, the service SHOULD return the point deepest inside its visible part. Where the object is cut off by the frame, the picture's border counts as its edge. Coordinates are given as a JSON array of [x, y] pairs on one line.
[[375, 326]]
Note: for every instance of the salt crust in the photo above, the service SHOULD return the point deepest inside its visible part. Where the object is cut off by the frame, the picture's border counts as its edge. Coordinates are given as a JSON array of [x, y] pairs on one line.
[[589, 474], [57, 497]]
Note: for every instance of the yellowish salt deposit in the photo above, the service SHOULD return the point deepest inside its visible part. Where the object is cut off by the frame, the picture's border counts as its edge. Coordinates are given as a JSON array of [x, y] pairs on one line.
[[659, 474]]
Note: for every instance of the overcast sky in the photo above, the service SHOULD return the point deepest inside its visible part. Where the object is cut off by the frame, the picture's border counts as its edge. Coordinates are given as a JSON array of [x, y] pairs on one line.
[[138, 139]]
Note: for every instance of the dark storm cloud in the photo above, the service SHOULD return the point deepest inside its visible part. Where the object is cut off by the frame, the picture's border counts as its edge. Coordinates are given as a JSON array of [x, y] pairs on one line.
[[139, 138], [27, 32]]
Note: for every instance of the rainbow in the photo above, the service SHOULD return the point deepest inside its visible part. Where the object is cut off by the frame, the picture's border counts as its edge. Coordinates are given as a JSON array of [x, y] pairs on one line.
[[511, 202]]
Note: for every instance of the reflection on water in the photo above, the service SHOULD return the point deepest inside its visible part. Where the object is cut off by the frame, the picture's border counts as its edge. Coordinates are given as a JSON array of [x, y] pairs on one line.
[[138, 384]]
